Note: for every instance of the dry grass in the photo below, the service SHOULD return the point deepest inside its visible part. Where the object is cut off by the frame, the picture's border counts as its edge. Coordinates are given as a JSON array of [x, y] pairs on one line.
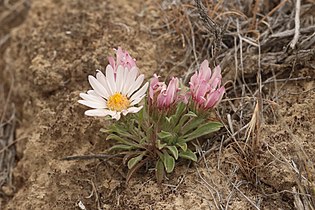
[[7, 144], [230, 29], [257, 45], [12, 13]]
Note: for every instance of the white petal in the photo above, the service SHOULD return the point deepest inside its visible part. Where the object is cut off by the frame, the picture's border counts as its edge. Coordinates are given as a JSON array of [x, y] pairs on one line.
[[102, 79], [125, 78], [110, 77], [89, 97], [130, 80], [99, 112], [137, 100], [140, 92], [136, 85], [119, 79], [132, 110], [93, 104], [97, 86], [117, 116], [93, 93]]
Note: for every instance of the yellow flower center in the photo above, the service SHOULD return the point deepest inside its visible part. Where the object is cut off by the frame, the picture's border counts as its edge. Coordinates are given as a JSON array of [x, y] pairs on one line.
[[118, 102]]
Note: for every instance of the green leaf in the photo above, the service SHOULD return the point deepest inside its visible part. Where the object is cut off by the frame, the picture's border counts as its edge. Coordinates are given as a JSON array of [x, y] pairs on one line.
[[168, 119], [119, 130], [182, 145], [103, 130], [143, 129], [202, 130], [134, 133], [178, 114], [180, 109], [129, 155], [159, 145], [133, 161], [191, 125], [148, 131], [164, 135], [188, 154], [169, 162], [121, 147], [142, 114], [159, 173], [143, 140], [174, 151], [191, 114], [184, 120], [138, 133], [167, 137]]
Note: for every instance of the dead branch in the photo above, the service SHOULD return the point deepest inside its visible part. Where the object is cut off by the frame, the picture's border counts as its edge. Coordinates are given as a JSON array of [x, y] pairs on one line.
[[89, 157]]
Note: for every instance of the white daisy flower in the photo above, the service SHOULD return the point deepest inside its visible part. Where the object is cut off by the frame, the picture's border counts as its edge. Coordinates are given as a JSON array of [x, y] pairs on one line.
[[114, 94]]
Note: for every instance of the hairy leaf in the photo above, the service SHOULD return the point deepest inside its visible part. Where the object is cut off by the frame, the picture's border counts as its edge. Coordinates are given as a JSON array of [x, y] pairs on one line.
[[191, 125], [133, 161], [202, 130], [164, 135], [160, 145], [174, 151], [122, 140], [118, 130], [188, 154], [184, 120], [169, 162], [121, 147], [182, 145], [178, 114]]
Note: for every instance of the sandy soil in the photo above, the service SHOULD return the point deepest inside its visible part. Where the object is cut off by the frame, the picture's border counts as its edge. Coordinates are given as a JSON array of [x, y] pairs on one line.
[[51, 54]]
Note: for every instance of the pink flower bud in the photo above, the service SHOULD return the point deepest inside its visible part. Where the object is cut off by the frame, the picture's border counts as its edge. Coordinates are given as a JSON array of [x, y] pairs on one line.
[[155, 86], [205, 87], [161, 95], [122, 58]]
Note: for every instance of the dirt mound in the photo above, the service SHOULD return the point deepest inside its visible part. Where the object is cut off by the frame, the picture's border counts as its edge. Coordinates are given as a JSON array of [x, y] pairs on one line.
[[52, 53]]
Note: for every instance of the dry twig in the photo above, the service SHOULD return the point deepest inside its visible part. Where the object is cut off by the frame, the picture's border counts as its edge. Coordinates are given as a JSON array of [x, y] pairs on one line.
[[297, 24]]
